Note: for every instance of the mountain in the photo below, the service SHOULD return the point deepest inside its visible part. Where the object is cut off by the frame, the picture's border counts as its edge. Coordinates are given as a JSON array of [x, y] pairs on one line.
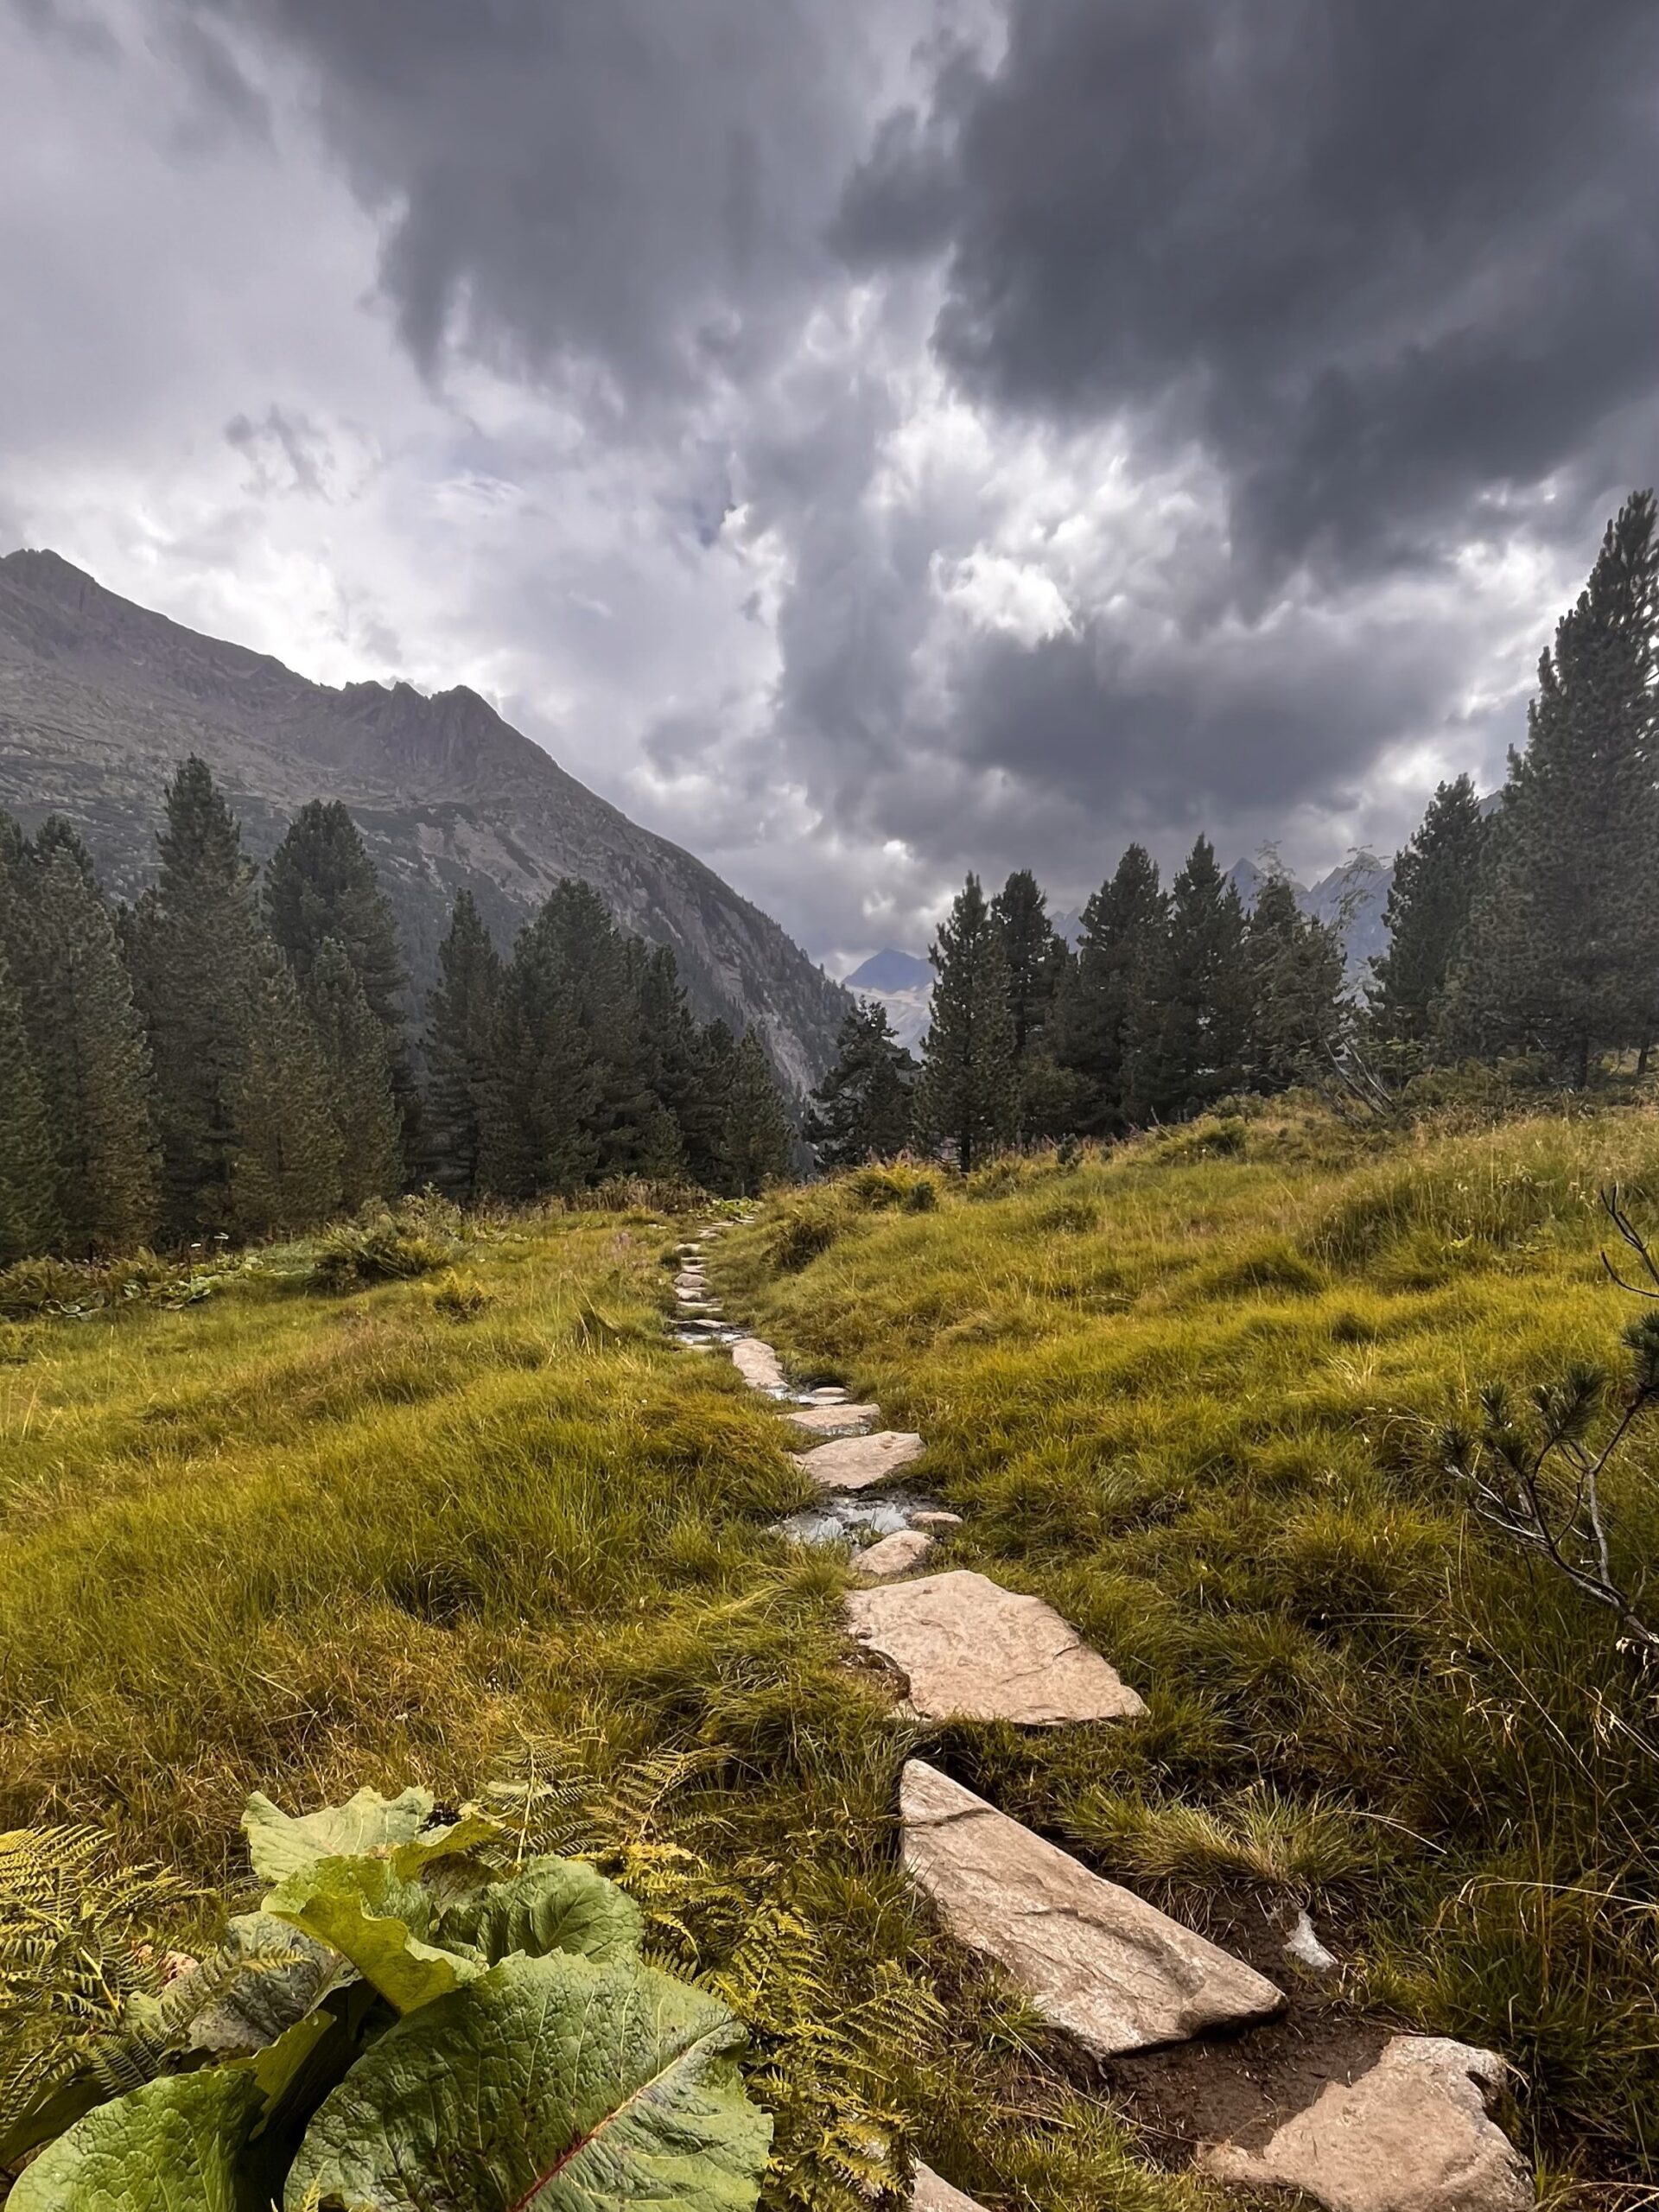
[[1351, 899], [904, 984], [890, 971], [101, 699]]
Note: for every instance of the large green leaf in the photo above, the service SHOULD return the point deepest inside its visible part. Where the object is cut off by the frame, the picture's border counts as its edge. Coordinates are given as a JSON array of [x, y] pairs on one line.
[[179, 2145], [548, 1904], [281, 1974], [365, 1910], [551, 2085], [280, 1843]]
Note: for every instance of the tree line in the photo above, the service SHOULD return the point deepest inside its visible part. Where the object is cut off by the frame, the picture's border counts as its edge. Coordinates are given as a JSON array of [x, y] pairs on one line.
[[230, 1056], [1525, 929]]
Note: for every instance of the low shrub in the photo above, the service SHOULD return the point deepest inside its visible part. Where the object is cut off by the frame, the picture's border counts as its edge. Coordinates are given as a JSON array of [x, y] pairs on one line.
[[388, 1244], [799, 1232], [884, 1185], [461, 1297]]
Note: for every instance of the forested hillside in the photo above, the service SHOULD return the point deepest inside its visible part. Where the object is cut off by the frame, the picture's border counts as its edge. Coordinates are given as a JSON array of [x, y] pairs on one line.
[[100, 700]]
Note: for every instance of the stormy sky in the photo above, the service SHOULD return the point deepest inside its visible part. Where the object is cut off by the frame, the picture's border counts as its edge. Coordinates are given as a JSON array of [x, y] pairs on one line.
[[865, 439]]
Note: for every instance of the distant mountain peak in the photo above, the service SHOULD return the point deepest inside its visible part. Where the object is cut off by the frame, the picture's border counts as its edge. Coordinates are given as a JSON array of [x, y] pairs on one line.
[[891, 970]]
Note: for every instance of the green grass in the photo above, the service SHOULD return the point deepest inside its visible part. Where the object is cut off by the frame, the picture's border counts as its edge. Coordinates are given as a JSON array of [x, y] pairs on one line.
[[488, 1521], [1191, 1392]]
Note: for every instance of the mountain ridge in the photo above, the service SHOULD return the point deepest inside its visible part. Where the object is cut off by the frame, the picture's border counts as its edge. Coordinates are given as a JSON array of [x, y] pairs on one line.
[[100, 698]]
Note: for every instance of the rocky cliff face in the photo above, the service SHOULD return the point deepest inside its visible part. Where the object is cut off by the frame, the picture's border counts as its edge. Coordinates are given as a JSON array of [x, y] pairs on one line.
[[100, 699]]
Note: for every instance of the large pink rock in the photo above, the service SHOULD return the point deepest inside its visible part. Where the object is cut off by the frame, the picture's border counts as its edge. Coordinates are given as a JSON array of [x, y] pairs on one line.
[[1412, 2134], [1096, 1961], [855, 1462], [970, 1650]]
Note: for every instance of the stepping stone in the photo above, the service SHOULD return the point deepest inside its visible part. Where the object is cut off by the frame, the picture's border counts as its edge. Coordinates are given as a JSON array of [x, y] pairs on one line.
[[900, 1553], [971, 1650], [833, 1420], [701, 1324], [1098, 1962], [757, 1363], [830, 1394], [930, 2192], [855, 1462], [936, 1520], [1411, 2135]]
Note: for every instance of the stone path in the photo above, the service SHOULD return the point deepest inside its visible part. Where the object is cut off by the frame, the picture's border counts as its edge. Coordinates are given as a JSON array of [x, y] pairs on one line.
[[970, 1650], [1409, 2132]]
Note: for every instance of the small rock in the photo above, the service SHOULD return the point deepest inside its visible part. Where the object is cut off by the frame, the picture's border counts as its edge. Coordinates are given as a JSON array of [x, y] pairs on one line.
[[1098, 1962], [757, 1363], [828, 1394], [1411, 2135], [833, 1420], [971, 1650], [936, 1520], [897, 1554], [930, 2192], [855, 1462], [1305, 1947]]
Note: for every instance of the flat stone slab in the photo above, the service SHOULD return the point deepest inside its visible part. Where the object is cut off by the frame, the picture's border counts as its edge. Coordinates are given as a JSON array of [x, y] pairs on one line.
[[855, 1462], [1098, 1962], [831, 1394], [1411, 2135], [900, 1554], [971, 1650], [833, 1420], [930, 2192], [757, 1363]]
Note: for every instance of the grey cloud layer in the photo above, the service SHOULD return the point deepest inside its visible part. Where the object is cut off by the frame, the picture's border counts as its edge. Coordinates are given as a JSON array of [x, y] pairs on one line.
[[996, 429]]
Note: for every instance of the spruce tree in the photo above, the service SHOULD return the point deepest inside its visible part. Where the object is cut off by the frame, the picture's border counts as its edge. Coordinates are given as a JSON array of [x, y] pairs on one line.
[[1296, 972], [320, 884], [861, 1109], [1103, 1013], [543, 1095], [29, 1180], [194, 951], [285, 1161], [1199, 1015], [1562, 945], [1036, 955], [93, 1060], [361, 1108], [716, 1073], [1427, 913], [462, 1014], [966, 1097], [756, 1141]]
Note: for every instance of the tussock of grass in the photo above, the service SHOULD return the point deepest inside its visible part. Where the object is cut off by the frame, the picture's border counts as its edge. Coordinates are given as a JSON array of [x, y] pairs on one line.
[[1192, 1392]]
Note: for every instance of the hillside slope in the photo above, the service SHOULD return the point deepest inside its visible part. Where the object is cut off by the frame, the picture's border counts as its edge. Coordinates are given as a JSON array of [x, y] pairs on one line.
[[100, 699]]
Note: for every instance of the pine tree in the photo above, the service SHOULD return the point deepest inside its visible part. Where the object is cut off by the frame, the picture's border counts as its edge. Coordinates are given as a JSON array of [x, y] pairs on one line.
[[462, 1014], [1104, 1012], [85, 1039], [1036, 958], [1197, 1022], [542, 1099], [717, 1062], [756, 1143], [285, 1162], [193, 949], [1296, 974], [1427, 913], [861, 1109], [1562, 945], [320, 884], [28, 1214], [966, 1096], [361, 1108]]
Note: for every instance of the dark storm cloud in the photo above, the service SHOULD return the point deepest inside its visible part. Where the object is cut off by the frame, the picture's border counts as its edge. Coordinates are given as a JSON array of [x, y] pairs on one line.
[[1388, 261], [630, 191]]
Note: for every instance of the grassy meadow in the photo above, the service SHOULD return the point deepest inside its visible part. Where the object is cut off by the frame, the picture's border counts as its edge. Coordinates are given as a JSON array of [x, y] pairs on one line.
[[488, 1526]]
